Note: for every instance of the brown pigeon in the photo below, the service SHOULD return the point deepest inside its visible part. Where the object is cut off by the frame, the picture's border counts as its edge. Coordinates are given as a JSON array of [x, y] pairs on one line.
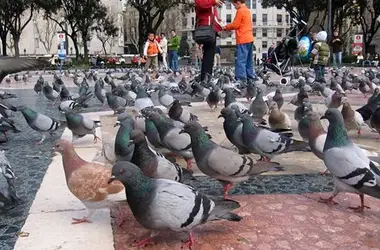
[[278, 119], [87, 181]]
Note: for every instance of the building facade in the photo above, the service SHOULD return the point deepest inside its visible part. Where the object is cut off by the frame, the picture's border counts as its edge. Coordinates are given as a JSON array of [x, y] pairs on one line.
[[40, 36]]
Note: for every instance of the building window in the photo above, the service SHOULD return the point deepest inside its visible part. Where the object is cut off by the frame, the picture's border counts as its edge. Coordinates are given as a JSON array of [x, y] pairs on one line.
[[254, 4], [228, 18], [265, 32], [228, 6], [248, 3], [36, 43], [279, 32], [254, 32], [265, 44], [279, 18], [229, 43], [287, 19], [192, 21], [184, 22], [287, 31], [265, 19], [254, 18]]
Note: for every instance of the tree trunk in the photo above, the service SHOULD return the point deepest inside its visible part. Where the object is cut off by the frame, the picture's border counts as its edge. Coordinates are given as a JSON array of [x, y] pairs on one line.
[[104, 48], [4, 44], [76, 47], [16, 41], [85, 48]]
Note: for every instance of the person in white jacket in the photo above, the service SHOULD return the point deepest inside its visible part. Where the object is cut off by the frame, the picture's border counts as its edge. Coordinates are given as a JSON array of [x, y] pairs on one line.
[[164, 48], [151, 50]]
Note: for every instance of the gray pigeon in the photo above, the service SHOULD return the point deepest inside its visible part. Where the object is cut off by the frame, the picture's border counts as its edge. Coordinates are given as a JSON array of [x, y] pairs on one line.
[[259, 107], [159, 204], [100, 92], [50, 93], [353, 172], [230, 101], [81, 126], [214, 97], [39, 122], [171, 138], [142, 99], [164, 97], [267, 143], [233, 129], [154, 164], [123, 149], [8, 194], [116, 103], [225, 165], [177, 113]]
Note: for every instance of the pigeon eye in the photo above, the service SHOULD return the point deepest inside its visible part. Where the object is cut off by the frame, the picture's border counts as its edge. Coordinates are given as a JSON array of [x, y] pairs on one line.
[[121, 171], [57, 146]]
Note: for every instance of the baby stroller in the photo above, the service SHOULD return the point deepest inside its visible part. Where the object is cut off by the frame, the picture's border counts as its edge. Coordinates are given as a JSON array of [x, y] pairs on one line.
[[281, 58]]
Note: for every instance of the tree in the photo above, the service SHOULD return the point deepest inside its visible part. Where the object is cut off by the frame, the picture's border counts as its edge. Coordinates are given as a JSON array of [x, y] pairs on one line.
[[16, 14], [106, 32], [366, 13], [4, 30], [151, 15], [48, 34], [80, 16]]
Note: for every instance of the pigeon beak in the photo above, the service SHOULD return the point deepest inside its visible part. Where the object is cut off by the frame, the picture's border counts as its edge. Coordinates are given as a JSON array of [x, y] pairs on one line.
[[182, 132], [111, 179], [116, 124], [220, 116], [323, 117]]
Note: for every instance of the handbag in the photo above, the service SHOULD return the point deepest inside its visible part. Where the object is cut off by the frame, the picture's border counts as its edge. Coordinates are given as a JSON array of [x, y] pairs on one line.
[[205, 34]]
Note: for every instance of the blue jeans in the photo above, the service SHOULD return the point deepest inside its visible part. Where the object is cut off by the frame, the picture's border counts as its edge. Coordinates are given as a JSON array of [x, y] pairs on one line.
[[319, 73], [244, 62], [337, 57], [173, 60]]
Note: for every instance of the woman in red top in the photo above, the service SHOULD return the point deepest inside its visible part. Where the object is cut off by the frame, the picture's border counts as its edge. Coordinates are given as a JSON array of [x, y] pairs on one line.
[[205, 10]]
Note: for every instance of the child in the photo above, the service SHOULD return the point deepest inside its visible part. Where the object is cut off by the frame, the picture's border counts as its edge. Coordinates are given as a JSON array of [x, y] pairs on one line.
[[151, 50], [319, 56], [244, 41], [196, 55]]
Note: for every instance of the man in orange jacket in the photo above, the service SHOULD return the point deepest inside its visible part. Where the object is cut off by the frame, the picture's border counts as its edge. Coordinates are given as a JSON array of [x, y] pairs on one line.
[[243, 26]]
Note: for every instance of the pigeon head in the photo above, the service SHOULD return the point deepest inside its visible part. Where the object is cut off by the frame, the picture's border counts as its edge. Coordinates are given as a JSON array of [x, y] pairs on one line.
[[273, 106], [377, 90], [313, 116], [62, 145], [136, 137], [192, 128], [226, 112], [334, 116], [131, 176]]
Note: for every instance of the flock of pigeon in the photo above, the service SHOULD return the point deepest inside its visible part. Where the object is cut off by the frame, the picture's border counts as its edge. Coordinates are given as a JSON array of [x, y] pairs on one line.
[[155, 129]]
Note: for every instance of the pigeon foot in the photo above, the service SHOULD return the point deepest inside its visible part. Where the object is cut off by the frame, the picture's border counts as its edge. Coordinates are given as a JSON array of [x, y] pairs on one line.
[[329, 201], [96, 139], [226, 188], [190, 242], [359, 133], [324, 173], [79, 221], [189, 164], [264, 158], [143, 243], [359, 209]]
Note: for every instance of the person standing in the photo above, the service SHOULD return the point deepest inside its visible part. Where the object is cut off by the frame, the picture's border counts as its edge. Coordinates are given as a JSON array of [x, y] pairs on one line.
[[320, 56], [151, 51], [173, 45], [164, 48], [218, 52], [337, 48], [243, 26], [206, 11], [195, 55]]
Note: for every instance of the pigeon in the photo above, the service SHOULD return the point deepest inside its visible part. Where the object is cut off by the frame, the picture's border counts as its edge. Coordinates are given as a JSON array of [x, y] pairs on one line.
[[298, 99], [81, 126], [334, 100], [301, 111], [278, 98], [164, 97], [214, 97], [177, 113], [375, 120], [259, 107], [374, 95], [5, 95], [39, 84], [251, 90], [171, 138], [9, 65], [154, 164], [116, 103], [39, 122], [69, 105], [87, 181], [352, 119], [49, 93], [7, 125], [351, 169], [123, 149], [225, 165], [8, 193], [161, 204], [230, 101], [233, 129], [277, 119], [267, 143], [142, 100], [64, 94], [6, 109]]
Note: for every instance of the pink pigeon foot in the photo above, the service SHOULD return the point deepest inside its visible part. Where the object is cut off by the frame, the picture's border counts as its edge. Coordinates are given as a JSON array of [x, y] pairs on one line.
[[96, 139], [360, 209], [328, 201], [189, 164], [226, 188], [79, 221], [190, 242], [143, 243]]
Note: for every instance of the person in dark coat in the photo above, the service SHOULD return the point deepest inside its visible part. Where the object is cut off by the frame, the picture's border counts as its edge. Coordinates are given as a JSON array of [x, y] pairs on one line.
[[337, 49], [206, 11]]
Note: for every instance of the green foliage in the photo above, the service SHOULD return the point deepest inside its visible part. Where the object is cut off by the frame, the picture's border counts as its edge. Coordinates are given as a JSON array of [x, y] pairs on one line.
[[184, 46]]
